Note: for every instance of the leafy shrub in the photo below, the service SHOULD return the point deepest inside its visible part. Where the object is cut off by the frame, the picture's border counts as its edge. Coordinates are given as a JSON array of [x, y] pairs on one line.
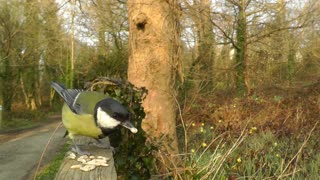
[[134, 157]]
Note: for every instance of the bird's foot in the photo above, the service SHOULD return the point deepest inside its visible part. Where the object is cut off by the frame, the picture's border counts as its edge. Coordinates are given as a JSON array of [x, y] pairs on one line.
[[102, 146]]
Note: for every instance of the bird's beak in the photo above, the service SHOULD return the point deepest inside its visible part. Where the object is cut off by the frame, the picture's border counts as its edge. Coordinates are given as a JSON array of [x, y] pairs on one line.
[[127, 124]]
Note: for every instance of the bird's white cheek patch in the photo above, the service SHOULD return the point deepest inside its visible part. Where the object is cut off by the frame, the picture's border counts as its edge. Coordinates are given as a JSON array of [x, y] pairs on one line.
[[104, 120]]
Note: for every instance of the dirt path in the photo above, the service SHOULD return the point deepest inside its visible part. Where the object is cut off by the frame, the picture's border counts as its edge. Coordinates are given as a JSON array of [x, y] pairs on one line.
[[20, 152]]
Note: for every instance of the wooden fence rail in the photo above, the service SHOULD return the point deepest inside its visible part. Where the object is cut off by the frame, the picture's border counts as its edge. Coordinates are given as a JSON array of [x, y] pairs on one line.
[[99, 173]]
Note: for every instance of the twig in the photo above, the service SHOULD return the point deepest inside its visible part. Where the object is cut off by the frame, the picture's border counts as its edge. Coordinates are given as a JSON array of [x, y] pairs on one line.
[[298, 153], [209, 146], [234, 146], [101, 82], [183, 125], [45, 149]]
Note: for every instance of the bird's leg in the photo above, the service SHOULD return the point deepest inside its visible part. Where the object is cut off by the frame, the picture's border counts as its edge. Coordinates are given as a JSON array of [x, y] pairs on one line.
[[78, 150], [101, 145]]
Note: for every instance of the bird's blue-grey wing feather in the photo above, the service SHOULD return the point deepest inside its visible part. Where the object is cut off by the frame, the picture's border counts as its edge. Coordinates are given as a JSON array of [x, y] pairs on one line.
[[69, 96], [71, 99]]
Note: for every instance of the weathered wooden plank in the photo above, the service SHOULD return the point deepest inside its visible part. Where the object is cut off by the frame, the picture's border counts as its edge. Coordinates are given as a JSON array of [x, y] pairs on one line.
[[106, 173]]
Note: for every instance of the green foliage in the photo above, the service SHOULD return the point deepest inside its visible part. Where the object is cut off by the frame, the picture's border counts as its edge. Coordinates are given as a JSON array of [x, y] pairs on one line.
[[113, 64], [50, 171], [134, 158], [277, 99], [23, 120], [16, 124], [264, 155]]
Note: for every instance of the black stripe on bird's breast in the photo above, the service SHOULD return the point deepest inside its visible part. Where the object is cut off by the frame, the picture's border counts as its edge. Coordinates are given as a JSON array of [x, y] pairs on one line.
[[114, 136], [107, 132]]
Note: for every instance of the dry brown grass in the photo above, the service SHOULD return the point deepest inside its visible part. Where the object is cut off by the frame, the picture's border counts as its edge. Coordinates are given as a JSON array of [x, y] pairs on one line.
[[290, 113]]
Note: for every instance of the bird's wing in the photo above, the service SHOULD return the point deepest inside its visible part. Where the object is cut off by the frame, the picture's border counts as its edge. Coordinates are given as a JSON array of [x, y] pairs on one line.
[[87, 101], [69, 96]]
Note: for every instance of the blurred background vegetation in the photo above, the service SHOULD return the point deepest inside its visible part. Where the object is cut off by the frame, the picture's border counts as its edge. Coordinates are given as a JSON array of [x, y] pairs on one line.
[[56, 40], [231, 46], [242, 61]]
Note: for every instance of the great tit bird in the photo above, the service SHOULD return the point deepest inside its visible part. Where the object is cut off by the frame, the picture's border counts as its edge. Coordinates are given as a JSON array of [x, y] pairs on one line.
[[91, 114]]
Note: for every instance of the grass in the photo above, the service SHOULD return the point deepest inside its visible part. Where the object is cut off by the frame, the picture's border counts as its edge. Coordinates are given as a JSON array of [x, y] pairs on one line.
[[259, 137], [24, 120], [252, 154], [51, 169], [17, 124]]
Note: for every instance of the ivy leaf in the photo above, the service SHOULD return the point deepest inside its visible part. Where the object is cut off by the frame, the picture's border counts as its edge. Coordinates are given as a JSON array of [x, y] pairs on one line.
[[118, 92]]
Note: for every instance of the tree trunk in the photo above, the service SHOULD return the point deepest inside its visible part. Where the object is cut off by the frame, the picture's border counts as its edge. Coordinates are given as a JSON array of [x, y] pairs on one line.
[[72, 56], [7, 77], [31, 56], [24, 92], [242, 78], [7, 90], [291, 60], [205, 47], [7, 73], [280, 42], [202, 67], [154, 43], [102, 45]]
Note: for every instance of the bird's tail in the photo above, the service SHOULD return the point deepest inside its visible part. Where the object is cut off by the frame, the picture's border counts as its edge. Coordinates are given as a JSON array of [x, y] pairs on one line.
[[58, 87]]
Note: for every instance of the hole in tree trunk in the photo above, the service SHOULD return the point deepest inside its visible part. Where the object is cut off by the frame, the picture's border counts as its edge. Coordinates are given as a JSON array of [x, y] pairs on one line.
[[141, 26]]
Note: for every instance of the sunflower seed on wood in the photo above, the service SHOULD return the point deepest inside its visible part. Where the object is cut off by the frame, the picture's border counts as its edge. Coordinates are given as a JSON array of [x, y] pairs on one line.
[[77, 166], [82, 160], [87, 167], [72, 156], [84, 157], [92, 162], [100, 160], [104, 164], [104, 158]]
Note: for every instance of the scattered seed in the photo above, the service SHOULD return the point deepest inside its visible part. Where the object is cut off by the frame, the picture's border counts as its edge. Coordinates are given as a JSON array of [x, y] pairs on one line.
[[81, 160], [89, 162], [72, 156], [92, 162], [105, 164], [104, 158], [87, 167], [77, 166]]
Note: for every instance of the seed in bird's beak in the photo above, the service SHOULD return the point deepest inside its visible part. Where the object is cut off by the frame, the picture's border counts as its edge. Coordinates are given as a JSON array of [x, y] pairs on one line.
[[134, 130], [129, 126]]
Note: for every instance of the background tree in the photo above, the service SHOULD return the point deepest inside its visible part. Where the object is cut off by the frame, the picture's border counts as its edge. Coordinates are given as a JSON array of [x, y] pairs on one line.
[[10, 31], [241, 46], [55, 48], [107, 22], [201, 69], [30, 55], [25, 53]]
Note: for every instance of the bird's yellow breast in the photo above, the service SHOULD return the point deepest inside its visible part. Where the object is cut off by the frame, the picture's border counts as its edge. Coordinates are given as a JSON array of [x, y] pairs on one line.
[[76, 124]]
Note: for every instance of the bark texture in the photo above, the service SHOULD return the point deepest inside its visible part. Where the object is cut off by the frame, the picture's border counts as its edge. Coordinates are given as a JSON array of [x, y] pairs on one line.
[[153, 64]]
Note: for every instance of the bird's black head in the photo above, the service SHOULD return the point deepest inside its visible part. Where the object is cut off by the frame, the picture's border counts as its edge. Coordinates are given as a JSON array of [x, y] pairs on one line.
[[109, 113]]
